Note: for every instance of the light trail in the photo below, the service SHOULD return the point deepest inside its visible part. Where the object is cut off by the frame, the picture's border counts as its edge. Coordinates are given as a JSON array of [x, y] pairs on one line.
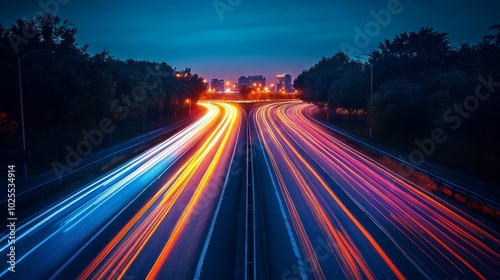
[[349, 257], [439, 240], [123, 251], [82, 215], [374, 223]]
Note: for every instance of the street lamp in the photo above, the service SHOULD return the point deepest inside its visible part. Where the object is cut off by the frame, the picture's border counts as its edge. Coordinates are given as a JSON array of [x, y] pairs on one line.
[[371, 88], [189, 101], [19, 58]]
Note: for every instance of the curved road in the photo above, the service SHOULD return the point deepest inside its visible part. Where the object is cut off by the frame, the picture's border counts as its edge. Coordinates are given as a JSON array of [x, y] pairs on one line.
[[329, 212], [270, 196], [150, 218]]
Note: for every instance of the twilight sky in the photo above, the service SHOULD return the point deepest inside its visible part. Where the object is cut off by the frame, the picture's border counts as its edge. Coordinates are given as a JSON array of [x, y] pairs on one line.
[[248, 37]]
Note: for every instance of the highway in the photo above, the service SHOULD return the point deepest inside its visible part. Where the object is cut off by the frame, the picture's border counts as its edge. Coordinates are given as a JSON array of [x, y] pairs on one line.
[[261, 193], [329, 212], [153, 217]]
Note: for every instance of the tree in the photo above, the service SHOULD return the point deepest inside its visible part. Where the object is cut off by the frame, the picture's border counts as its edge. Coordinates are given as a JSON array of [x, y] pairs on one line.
[[316, 81], [351, 90], [245, 92], [400, 106], [69, 89], [493, 39], [419, 55]]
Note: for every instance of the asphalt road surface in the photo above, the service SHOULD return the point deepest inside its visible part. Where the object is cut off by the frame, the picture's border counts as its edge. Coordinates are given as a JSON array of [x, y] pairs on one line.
[[268, 195], [329, 212], [153, 217]]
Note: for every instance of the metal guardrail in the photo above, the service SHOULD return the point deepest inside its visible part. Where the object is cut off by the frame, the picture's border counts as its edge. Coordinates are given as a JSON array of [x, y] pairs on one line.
[[150, 136], [250, 223], [468, 194]]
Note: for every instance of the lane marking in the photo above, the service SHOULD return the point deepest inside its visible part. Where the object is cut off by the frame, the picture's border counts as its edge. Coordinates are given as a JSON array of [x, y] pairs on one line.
[[295, 247]]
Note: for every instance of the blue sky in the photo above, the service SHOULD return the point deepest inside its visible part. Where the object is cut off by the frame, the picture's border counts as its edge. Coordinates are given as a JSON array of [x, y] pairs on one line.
[[253, 37]]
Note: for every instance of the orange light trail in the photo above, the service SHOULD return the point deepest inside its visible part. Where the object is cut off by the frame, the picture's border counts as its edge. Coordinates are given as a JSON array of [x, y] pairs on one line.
[[122, 252], [439, 239], [347, 254]]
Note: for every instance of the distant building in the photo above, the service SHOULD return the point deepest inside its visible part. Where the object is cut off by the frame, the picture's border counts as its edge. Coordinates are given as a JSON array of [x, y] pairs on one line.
[[250, 81], [284, 83], [242, 80], [217, 85]]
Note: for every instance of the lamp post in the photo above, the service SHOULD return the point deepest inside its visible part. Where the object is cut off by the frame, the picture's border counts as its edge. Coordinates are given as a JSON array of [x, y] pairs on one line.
[[371, 88], [19, 58]]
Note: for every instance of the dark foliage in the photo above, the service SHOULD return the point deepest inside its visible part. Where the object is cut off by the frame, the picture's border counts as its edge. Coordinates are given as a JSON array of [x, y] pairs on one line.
[[417, 76], [66, 87], [420, 82]]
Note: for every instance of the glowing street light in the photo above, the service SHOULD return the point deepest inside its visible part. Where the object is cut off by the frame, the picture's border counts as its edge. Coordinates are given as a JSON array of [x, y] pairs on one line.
[[271, 86], [189, 101]]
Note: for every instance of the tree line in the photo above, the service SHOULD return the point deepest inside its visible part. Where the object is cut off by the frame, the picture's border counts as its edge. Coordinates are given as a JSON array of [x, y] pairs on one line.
[[66, 87], [420, 82], [416, 76]]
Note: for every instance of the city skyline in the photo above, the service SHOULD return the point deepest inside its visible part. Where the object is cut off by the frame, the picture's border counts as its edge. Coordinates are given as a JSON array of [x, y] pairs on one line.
[[216, 39], [279, 82]]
